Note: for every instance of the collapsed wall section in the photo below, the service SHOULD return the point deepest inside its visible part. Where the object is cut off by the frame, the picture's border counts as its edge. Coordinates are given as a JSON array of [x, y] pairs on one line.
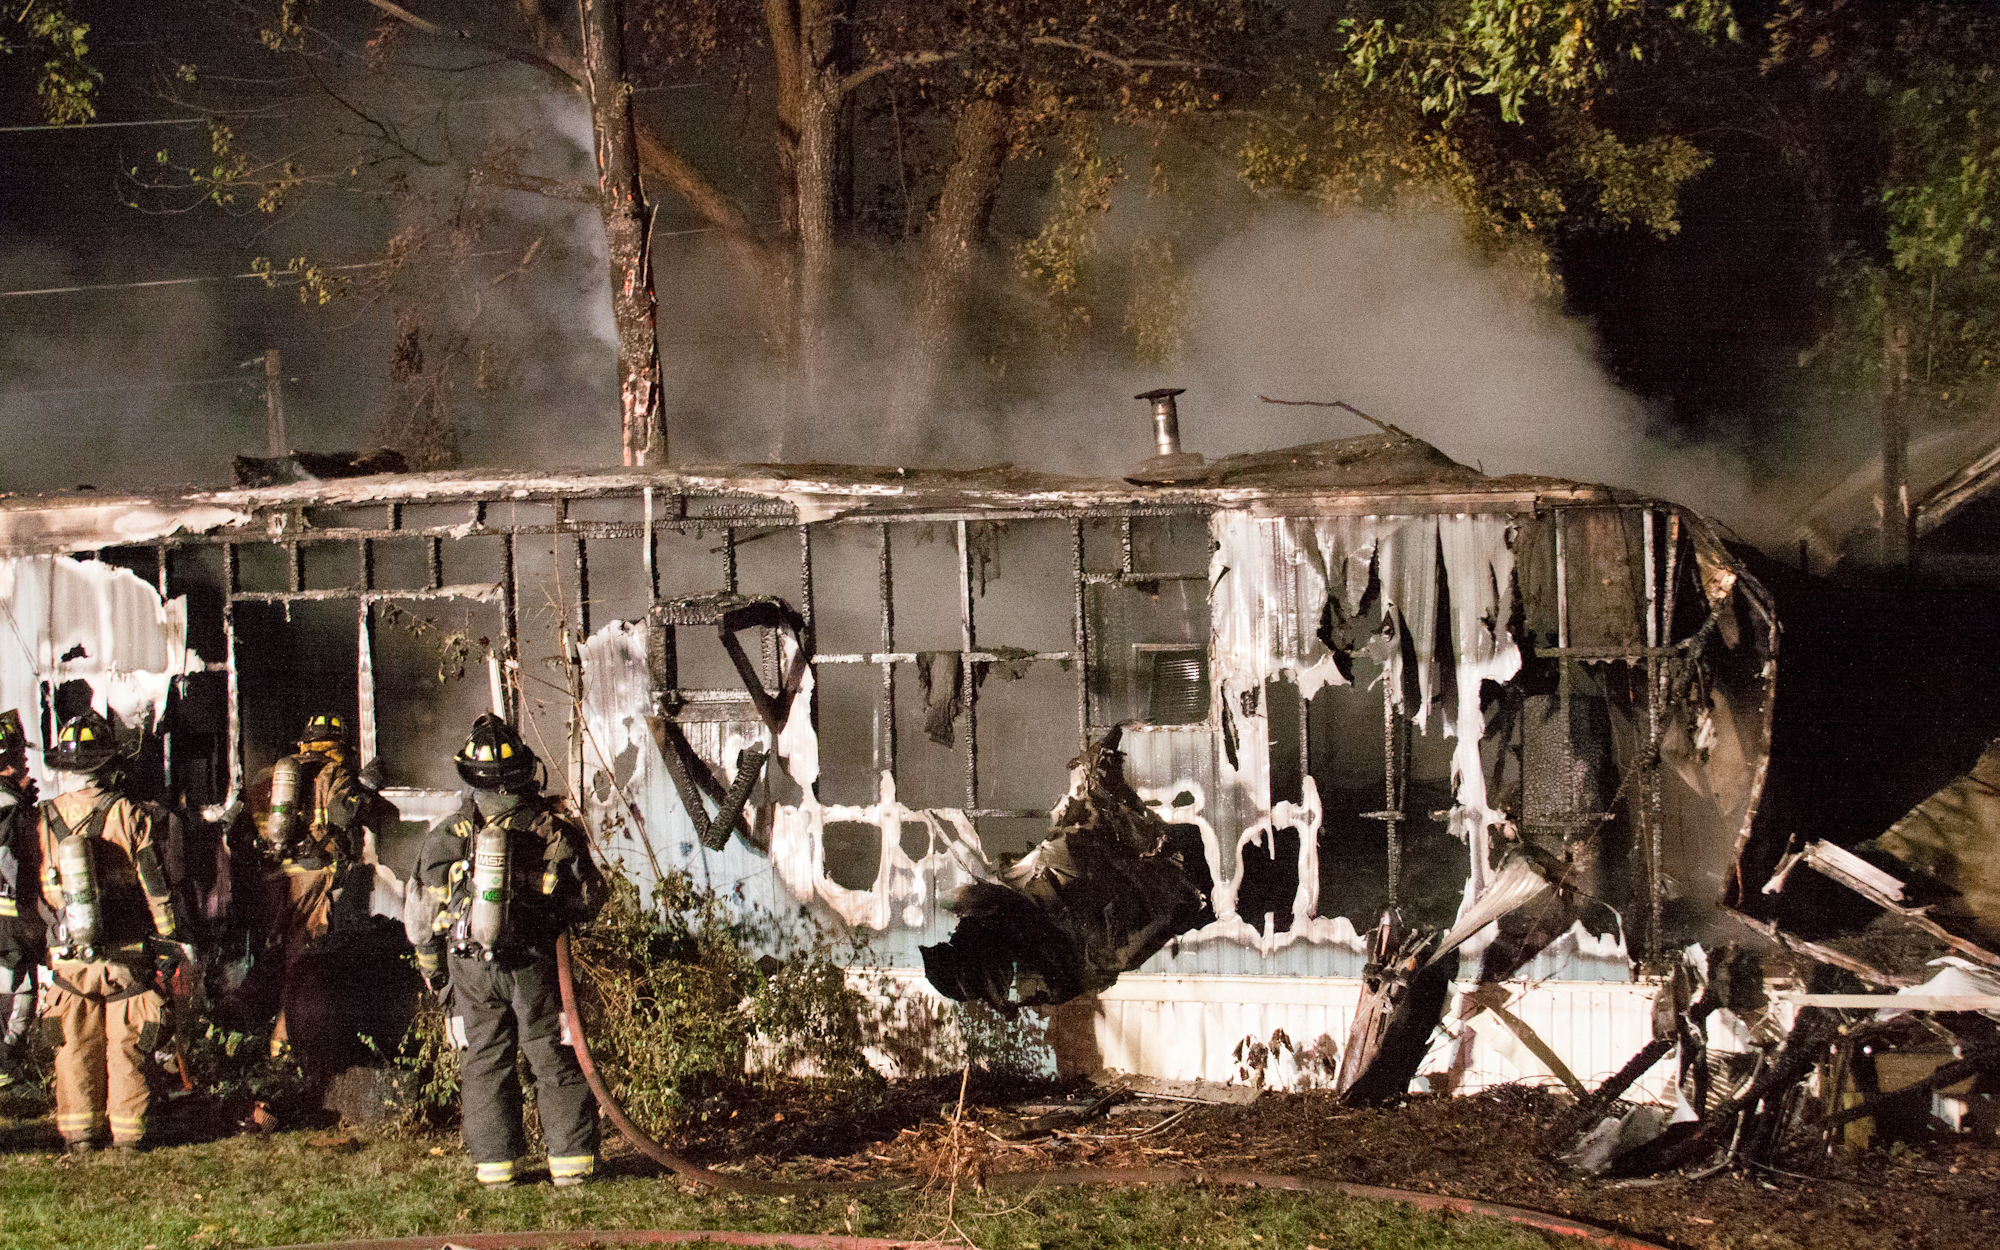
[[1421, 605], [69, 620]]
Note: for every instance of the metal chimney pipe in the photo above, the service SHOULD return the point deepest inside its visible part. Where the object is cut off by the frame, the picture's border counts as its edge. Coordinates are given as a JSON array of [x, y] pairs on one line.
[[1166, 419], [1169, 465]]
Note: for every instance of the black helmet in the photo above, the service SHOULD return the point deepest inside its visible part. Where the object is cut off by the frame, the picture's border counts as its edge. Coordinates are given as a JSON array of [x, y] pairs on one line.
[[86, 743], [494, 757], [324, 729], [13, 741]]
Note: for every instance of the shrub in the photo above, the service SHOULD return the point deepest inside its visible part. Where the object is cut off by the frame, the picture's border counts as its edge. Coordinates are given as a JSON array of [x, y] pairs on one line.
[[683, 990], [430, 1071]]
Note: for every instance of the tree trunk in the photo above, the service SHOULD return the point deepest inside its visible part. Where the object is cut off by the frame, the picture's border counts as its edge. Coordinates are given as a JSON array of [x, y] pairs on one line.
[[1896, 527], [622, 202], [980, 144], [816, 174]]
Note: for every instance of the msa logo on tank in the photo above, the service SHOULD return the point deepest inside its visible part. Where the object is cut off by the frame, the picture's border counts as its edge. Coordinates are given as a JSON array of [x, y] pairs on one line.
[[486, 922]]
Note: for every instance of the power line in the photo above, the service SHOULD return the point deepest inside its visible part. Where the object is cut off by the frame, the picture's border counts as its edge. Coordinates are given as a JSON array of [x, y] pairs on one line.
[[157, 121], [225, 277], [202, 121], [245, 379], [131, 286]]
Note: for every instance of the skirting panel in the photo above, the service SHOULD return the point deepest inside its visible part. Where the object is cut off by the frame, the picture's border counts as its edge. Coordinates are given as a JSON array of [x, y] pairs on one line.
[[1288, 1032]]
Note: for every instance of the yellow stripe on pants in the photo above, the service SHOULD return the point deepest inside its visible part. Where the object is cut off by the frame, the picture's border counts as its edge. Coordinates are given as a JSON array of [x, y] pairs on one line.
[[100, 1067], [495, 1173]]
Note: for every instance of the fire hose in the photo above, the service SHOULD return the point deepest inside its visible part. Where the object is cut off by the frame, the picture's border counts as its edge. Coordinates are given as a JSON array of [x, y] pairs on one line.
[[641, 1141]]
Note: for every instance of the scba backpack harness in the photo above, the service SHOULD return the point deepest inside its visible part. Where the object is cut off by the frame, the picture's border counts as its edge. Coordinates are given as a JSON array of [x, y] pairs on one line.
[[496, 902]]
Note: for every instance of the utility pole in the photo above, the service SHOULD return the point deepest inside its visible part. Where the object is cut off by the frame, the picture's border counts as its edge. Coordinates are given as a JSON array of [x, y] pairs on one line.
[[1896, 529], [274, 405]]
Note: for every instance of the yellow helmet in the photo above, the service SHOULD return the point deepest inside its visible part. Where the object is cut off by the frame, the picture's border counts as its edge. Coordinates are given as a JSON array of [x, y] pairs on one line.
[[324, 729], [494, 757], [86, 743]]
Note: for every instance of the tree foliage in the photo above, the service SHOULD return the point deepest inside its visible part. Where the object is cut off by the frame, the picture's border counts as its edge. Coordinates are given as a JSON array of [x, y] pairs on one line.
[[1428, 104], [1925, 262], [898, 125], [55, 40], [1522, 54], [683, 989]]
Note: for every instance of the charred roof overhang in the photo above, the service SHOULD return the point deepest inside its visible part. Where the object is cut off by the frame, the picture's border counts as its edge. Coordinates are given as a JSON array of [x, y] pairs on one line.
[[1379, 475]]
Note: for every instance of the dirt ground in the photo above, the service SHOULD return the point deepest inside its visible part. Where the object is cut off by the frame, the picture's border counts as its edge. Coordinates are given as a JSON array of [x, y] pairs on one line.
[[1943, 1194]]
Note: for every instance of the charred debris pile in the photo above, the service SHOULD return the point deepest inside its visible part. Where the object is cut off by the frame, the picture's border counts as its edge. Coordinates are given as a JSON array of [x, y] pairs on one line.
[[1110, 886], [1833, 989]]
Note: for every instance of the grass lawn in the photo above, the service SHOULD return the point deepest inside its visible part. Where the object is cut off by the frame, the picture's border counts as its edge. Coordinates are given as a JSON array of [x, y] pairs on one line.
[[302, 1187]]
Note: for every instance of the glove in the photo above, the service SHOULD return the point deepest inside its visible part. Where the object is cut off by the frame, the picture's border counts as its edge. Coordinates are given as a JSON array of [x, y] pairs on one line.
[[437, 983]]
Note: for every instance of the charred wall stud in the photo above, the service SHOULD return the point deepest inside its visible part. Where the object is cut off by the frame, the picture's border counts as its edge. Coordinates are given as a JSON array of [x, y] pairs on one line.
[[651, 551], [808, 633], [510, 616], [364, 651], [1655, 692], [1079, 637], [968, 669], [232, 585], [885, 708], [1395, 780], [166, 733]]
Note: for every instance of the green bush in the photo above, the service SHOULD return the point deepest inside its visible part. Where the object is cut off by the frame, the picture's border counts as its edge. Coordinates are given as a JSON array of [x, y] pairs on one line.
[[686, 997], [1016, 1047], [429, 1066]]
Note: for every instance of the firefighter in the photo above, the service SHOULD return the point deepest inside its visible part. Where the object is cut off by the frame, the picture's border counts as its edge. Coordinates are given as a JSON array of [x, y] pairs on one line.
[[496, 883], [313, 834], [105, 892], [20, 919]]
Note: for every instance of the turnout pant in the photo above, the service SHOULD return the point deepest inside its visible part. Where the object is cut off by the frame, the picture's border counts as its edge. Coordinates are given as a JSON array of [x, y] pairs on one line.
[[301, 913], [497, 1007], [105, 1019], [17, 1012]]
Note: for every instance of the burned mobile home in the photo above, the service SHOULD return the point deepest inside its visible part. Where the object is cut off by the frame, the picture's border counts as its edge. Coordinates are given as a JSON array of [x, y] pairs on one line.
[[1347, 679]]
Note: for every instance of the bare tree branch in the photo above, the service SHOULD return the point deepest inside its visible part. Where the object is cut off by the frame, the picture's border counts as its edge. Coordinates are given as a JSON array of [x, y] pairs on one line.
[[1128, 64], [672, 170], [785, 59], [386, 132], [867, 72], [1345, 407], [567, 75], [515, 180]]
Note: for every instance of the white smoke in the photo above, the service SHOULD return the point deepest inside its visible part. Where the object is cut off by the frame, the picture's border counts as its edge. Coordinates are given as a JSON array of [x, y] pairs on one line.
[[1393, 313]]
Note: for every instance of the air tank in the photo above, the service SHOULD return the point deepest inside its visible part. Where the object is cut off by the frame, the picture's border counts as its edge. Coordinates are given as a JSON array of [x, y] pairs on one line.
[[282, 824], [488, 917], [83, 919]]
